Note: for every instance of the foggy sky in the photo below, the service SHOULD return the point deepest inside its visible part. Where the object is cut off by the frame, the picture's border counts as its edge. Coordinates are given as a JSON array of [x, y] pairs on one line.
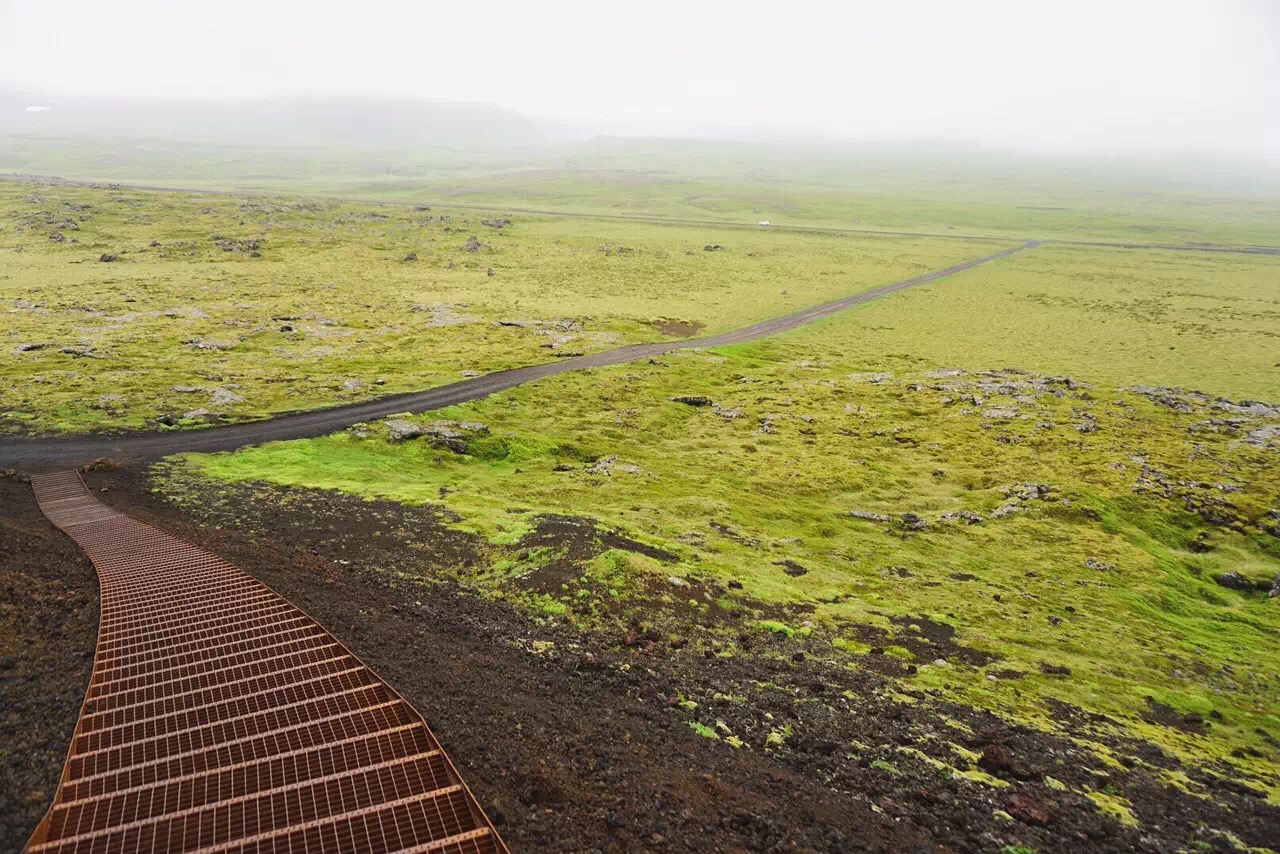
[[1130, 76]]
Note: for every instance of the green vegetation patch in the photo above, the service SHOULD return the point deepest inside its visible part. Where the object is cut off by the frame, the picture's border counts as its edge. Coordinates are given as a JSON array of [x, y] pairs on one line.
[[127, 309], [994, 535]]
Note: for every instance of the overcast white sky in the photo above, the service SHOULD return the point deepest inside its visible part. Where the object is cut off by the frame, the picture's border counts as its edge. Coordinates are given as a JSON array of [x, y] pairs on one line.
[[1166, 76]]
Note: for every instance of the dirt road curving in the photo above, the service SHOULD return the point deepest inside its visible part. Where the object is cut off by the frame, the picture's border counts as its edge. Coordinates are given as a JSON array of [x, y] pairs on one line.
[[42, 454]]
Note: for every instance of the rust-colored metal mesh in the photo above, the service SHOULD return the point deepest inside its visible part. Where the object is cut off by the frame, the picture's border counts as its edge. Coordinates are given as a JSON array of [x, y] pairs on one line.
[[221, 718]]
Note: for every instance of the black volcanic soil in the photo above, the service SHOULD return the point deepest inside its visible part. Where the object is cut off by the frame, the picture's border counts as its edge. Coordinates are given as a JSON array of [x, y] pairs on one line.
[[48, 626], [583, 745]]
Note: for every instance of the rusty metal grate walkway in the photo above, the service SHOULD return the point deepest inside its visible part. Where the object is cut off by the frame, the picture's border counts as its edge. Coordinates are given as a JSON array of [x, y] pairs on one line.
[[221, 718]]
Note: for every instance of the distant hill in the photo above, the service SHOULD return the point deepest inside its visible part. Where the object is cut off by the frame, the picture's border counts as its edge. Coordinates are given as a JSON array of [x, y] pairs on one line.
[[364, 122]]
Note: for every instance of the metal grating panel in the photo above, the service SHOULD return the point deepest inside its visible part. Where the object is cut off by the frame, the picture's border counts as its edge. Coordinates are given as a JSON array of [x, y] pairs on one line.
[[221, 718]]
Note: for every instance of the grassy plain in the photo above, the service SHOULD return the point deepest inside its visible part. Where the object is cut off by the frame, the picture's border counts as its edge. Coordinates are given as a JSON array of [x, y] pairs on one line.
[[1009, 482], [1067, 520], [256, 305], [805, 184]]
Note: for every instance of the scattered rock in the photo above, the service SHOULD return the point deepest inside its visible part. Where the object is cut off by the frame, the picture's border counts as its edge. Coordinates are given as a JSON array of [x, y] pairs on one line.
[[968, 517], [109, 403], [1233, 580], [608, 465], [29, 348], [791, 568], [1028, 491], [912, 522], [231, 244], [868, 516], [1100, 565], [1087, 423], [713, 247], [473, 244], [449, 435], [399, 430], [998, 761], [82, 351], [1263, 437], [107, 257], [692, 400], [1029, 809], [212, 344], [1055, 669], [729, 533], [412, 256], [224, 397]]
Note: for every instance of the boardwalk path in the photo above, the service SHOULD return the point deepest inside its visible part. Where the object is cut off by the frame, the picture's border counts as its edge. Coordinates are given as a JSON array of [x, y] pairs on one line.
[[221, 718]]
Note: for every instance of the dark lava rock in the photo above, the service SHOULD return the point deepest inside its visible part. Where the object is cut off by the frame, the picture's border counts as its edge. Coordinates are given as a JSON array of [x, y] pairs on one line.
[[1233, 581], [107, 257], [912, 522], [791, 568], [998, 761], [1030, 809], [1201, 544], [693, 400]]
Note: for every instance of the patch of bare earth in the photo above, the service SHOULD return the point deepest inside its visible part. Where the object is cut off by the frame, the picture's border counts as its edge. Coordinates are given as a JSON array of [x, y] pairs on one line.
[[581, 741], [48, 624]]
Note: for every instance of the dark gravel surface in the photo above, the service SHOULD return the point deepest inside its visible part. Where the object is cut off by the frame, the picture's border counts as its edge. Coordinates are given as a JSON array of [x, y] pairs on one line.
[[48, 626], [577, 742]]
